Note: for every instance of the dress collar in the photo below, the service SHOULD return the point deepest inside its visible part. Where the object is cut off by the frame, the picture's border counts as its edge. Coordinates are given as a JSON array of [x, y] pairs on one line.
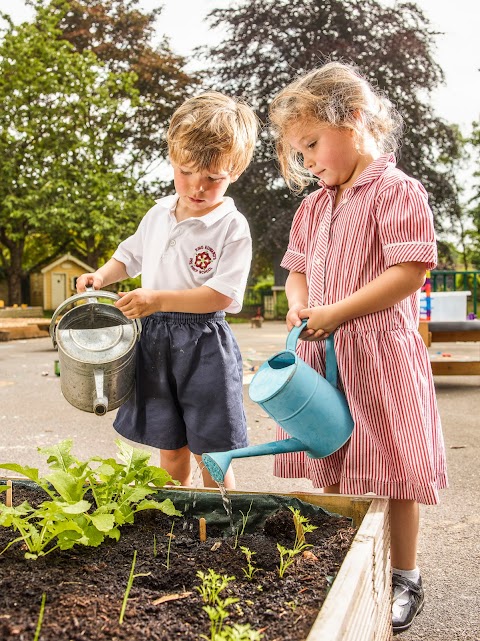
[[373, 171]]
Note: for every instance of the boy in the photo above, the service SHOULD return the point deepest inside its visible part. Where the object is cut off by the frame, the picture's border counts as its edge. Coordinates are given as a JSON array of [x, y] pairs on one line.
[[193, 250]]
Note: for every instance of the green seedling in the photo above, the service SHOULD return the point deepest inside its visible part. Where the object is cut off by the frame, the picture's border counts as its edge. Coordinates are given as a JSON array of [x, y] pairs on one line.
[[131, 579], [40, 617], [118, 490], [250, 570], [236, 632], [211, 586], [244, 524], [302, 527], [170, 537]]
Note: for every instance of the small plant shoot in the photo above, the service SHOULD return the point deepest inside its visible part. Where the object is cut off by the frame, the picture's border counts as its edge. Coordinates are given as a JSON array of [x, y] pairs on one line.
[[287, 556]]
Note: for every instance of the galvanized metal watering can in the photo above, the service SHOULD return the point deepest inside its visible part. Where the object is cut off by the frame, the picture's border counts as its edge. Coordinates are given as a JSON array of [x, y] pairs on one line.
[[309, 407], [96, 349]]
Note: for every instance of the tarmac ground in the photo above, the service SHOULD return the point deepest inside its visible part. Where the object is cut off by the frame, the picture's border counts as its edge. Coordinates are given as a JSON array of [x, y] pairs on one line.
[[34, 413]]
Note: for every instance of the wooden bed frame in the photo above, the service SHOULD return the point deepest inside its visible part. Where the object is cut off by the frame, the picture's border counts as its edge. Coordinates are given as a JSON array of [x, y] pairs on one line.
[[452, 332]]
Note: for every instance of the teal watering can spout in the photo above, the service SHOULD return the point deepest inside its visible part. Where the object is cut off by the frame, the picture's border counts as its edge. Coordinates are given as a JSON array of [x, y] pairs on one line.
[[217, 463], [307, 406]]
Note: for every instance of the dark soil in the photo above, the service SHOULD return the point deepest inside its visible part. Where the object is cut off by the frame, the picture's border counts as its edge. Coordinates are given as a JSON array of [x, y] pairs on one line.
[[85, 587]]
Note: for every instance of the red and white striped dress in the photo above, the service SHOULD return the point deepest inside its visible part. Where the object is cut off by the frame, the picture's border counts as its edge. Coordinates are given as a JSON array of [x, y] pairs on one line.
[[396, 448]]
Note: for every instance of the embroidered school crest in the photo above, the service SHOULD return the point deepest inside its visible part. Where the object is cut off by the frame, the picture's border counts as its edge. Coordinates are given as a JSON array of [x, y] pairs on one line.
[[202, 260]]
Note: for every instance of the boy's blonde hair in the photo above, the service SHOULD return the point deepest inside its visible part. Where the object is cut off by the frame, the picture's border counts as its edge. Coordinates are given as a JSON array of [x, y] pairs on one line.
[[337, 95], [213, 132]]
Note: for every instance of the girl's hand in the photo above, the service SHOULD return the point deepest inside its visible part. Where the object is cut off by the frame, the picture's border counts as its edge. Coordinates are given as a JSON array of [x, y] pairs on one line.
[[138, 303], [322, 321], [294, 320], [94, 280]]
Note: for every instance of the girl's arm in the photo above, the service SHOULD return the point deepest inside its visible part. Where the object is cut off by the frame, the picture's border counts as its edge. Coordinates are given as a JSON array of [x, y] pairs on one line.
[[143, 302], [394, 285]]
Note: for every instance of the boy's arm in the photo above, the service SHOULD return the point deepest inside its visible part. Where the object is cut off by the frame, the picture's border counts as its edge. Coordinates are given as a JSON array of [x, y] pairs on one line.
[[391, 287], [143, 302], [111, 272]]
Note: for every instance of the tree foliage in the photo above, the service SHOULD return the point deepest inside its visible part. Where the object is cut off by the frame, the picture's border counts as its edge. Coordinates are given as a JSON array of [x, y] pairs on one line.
[[269, 42], [474, 210], [122, 37], [76, 136], [44, 95]]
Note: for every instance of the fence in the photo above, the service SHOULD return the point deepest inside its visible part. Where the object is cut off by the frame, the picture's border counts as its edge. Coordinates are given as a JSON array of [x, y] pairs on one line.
[[273, 303], [443, 280]]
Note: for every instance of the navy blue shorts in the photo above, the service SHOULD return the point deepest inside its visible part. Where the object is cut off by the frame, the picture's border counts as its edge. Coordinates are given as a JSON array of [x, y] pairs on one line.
[[189, 385]]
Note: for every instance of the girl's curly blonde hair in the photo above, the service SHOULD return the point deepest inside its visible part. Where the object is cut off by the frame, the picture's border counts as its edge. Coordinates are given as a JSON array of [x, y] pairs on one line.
[[213, 132], [336, 94]]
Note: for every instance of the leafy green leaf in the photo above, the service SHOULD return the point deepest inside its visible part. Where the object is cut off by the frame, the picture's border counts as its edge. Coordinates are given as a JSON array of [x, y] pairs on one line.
[[133, 457], [30, 472], [70, 488], [103, 522], [165, 506], [80, 507], [59, 456]]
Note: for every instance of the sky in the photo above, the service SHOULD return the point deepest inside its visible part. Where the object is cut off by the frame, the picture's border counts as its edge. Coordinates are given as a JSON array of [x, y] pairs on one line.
[[457, 52]]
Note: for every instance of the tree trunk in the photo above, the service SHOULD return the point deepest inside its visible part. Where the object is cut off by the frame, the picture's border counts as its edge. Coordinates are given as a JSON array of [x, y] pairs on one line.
[[92, 257], [14, 274]]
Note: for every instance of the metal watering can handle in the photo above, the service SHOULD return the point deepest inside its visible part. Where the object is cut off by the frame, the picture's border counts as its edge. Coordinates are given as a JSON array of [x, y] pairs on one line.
[[331, 367], [92, 295]]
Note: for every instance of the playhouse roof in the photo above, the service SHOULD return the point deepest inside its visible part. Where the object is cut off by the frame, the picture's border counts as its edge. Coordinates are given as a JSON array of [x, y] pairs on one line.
[[67, 257]]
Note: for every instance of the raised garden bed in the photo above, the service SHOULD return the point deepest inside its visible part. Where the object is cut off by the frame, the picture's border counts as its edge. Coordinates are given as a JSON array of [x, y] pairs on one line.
[[100, 549], [85, 586]]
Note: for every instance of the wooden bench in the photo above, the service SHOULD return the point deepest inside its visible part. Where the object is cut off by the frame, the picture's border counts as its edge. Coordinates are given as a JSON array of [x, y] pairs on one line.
[[42, 325], [452, 332]]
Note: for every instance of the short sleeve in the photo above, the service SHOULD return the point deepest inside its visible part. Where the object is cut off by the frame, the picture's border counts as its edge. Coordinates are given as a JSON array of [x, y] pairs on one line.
[[405, 224], [231, 274], [294, 258], [130, 251]]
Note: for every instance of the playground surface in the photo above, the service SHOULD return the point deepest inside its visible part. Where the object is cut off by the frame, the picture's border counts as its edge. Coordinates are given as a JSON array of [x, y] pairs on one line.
[[33, 413]]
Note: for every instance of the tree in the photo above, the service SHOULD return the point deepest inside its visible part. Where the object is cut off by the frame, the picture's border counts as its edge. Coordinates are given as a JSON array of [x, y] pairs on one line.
[[61, 120], [474, 210], [269, 42], [80, 130], [121, 36]]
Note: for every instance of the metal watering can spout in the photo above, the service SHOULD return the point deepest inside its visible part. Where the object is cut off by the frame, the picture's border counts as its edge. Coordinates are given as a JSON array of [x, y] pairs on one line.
[[100, 402], [308, 407]]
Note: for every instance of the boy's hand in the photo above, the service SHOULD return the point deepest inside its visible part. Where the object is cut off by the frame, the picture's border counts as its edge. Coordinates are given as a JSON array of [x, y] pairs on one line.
[[89, 280], [137, 303]]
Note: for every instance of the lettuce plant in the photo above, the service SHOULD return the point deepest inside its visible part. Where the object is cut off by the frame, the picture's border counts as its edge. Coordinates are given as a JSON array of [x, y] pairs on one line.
[[89, 500]]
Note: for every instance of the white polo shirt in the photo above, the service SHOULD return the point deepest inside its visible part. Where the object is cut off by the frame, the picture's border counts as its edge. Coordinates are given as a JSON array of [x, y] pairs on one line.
[[213, 250]]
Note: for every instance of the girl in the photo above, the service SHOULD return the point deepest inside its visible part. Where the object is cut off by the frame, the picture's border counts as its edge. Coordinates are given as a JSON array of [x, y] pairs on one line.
[[359, 248]]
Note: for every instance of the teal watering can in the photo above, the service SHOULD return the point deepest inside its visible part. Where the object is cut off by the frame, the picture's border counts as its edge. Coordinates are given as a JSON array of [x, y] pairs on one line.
[[309, 407]]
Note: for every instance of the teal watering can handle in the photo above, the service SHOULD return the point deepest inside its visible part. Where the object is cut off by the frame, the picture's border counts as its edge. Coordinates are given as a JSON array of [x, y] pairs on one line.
[[331, 359]]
